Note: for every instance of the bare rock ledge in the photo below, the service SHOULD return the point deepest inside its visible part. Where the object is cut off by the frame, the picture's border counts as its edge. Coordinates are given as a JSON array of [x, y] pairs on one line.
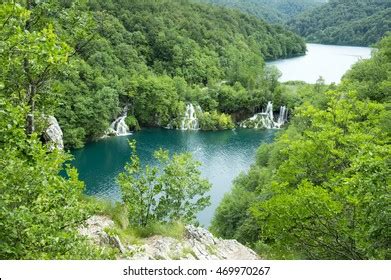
[[197, 244]]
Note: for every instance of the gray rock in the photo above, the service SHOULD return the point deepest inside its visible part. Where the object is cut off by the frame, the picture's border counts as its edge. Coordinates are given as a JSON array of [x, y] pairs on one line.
[[116, 242], [196, 244], [53, 134], [94, 229]]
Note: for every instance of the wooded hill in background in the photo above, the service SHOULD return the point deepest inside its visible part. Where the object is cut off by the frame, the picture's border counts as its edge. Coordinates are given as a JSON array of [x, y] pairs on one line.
[[345, 22], [273, 11], [159, 55]]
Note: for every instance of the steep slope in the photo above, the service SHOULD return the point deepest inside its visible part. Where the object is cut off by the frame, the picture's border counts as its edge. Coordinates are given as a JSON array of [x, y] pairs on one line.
[[345, 22], [273, 11]]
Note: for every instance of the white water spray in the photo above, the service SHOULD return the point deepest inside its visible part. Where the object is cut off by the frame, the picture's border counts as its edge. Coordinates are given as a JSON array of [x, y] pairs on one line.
[[119, 126], [265, 119], [190, 120]]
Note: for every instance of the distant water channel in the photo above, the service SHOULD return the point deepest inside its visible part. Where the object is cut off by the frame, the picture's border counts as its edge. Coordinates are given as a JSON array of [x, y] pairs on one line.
[[328, 61], [223, 154]]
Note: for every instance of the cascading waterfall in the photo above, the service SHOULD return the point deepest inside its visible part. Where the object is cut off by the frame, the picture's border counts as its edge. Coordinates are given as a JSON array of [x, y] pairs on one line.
[[282, 117], [265, 119], [190, 120], [119, 126]]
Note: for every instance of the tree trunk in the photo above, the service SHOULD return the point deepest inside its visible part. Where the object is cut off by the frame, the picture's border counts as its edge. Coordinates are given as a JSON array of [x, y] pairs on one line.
[[31, 88], [30, 122]]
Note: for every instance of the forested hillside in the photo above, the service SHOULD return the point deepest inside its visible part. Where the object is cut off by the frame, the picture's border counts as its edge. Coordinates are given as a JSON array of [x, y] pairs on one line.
[[322, 189], [274, 11], [153, 56], [345, 22]]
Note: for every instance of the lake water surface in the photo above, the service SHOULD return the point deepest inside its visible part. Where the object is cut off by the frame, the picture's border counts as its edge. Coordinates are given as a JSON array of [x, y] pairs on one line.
[[223, 154], [330, 62]]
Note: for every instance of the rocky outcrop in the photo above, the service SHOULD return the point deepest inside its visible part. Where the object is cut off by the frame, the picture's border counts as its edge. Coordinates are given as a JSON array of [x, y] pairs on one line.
[[196, 244], [53, 134]]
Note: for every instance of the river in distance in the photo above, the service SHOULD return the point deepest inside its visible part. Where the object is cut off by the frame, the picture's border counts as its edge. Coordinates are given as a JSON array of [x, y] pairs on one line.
[[223, 154], [328, 61]]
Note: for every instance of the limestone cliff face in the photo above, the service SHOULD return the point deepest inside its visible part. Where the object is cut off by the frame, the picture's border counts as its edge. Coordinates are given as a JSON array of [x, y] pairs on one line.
[[53, 134], [196, 244]]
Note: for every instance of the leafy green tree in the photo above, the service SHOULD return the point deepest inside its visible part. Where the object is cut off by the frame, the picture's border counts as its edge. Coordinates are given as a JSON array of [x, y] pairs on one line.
[[215, 121], [166, 104], [273, 11], [31, 54], [322, 189], [370, 78], [348, 22], [40, 210], [169, 192], [84, 61]]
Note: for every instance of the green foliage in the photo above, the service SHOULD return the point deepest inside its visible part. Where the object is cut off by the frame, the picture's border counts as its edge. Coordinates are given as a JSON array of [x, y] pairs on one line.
[[30, 57], [173, 229], [156, 100], [169, 192], [274, 11], [371, 78], [136, 53], [132, 123], [322, 189], [40, 210], [215, 121], [116, 211], [345, 22]]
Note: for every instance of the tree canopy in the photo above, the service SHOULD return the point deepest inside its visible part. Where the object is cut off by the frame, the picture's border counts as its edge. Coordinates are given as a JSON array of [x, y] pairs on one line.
[[140, 52], [273, 11], [169, 192], [345, 22], [322, 189]]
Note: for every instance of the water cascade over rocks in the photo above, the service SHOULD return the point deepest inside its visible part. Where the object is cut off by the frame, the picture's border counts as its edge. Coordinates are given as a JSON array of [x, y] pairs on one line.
[[265, 119], [119, 126], [190, 120], [282, 117]]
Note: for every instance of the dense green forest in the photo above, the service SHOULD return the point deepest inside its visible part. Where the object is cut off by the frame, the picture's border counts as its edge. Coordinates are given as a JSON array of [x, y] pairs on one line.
[[322, 189], [82, 62], [132, 52], [274, 11], [345, 22]]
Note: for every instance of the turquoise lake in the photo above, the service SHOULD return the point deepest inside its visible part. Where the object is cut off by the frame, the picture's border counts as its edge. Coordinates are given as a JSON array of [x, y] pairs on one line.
[[223, 154]]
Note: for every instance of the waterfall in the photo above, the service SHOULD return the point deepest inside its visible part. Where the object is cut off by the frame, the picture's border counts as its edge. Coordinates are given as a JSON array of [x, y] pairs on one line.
[[265, 119], [190, 120], [119, 126], [282, 117]]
